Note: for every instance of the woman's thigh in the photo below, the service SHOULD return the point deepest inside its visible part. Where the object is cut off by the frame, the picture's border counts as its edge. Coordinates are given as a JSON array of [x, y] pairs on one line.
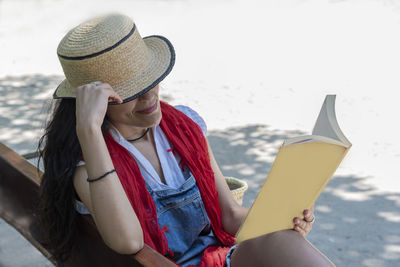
[[282, 248]]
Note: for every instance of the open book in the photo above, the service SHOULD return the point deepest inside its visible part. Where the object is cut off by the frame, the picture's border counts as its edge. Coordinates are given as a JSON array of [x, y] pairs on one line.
[[302, 168]]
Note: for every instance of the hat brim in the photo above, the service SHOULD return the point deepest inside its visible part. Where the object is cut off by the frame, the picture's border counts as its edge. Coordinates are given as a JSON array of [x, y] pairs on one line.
[[162, 60]]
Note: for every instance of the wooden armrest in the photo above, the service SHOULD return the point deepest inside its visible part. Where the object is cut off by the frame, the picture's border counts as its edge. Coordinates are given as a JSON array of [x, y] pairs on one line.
[[149, 257], [19, 191]]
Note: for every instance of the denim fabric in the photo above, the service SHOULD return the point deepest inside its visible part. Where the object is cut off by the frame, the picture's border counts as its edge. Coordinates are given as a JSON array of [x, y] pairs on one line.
[[228, 256], [182, 212]]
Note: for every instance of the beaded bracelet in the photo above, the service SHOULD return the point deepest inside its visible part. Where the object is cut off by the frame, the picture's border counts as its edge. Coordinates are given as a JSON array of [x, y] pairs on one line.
[[98, 178]]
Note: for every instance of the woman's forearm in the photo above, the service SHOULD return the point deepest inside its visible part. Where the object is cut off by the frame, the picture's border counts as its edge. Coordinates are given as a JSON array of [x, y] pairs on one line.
[[112, 211], [232, 222]]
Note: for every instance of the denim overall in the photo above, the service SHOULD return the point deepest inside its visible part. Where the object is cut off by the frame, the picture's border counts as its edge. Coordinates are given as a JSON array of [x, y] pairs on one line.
[[182, 212]]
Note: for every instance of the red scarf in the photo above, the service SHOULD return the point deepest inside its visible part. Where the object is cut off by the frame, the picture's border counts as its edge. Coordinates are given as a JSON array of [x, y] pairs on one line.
[[189, 142]]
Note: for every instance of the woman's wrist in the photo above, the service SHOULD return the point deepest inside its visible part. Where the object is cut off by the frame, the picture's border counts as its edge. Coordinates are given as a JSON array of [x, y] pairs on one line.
[[85, 131]]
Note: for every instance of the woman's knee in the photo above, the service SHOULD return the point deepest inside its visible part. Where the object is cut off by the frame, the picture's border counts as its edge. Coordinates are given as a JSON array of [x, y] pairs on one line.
[[281, 248]]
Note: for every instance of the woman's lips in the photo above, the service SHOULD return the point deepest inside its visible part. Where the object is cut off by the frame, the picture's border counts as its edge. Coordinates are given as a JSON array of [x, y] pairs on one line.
[[148, 110]]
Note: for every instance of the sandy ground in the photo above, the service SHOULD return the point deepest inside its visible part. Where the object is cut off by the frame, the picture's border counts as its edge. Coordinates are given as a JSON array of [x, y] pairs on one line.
[[257, 71]]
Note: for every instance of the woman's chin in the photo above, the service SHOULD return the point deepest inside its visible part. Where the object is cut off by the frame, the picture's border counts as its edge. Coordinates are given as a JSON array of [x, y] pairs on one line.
[[149, 121]]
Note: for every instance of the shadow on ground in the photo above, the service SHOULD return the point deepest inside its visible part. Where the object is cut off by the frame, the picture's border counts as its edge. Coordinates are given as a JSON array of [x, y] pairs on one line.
[[24, 102], [349, 211]]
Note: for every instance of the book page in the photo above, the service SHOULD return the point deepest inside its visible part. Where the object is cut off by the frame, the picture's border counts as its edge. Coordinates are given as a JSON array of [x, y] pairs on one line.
[[311, 138], [327, 124]]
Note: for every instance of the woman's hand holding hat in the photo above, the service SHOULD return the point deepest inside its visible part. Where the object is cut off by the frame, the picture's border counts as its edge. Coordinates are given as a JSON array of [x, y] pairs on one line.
[[91, 104]]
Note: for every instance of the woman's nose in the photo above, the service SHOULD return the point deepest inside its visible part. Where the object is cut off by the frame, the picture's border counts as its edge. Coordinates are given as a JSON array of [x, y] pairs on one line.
[[149, 94], [146, 96]]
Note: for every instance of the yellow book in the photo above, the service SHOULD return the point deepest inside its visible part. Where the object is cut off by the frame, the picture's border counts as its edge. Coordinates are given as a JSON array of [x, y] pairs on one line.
[[302, 168]]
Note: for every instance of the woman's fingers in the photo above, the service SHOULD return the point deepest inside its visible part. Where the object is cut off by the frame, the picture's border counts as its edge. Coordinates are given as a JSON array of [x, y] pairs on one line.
[[309, 215], [114, 97], [304, 226], [300, 230], [91, 89], [91, 103]]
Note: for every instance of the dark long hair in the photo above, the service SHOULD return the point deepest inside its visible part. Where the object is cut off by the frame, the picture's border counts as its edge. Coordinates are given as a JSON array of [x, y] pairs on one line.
[[60, 151]]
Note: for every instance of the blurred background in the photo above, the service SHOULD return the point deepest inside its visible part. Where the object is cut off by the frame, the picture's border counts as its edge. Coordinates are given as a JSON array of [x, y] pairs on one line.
[[257, 71]]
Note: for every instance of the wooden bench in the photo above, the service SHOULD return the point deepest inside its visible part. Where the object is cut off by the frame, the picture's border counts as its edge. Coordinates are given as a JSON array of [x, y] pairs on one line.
[[19, 195]]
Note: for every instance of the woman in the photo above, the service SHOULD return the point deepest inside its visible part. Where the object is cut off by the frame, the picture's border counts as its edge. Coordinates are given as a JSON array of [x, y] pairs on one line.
[[142, 168]]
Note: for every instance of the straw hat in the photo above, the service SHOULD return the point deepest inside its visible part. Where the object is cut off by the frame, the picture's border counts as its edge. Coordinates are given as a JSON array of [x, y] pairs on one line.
[[110, 49]]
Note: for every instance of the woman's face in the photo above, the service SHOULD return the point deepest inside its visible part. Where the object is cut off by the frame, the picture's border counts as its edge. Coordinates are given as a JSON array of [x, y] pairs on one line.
[[143, 112]]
